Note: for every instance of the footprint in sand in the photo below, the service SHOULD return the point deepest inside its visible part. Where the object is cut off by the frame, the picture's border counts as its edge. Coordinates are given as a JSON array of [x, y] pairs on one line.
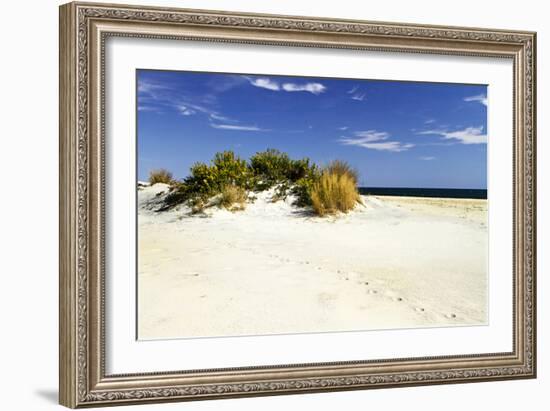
[[450, 315], [419, 309], [372, 291]]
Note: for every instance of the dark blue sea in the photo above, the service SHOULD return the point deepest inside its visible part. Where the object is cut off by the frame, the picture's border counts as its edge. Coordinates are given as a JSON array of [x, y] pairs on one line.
[[425, 192]]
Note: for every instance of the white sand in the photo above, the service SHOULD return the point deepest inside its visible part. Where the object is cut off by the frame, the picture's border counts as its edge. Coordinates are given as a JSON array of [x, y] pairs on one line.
[[395, 262]]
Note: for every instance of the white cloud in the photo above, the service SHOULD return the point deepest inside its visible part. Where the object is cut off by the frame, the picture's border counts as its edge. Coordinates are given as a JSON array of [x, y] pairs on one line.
[[221, 84], [264, 82], [313, 88], [236, 128], [394, 146], [374, 140], [274, 85], [186, 111], [469, 135], [480, 98], [145, 86], [426, 158], [429, 121], [369, 136], [216, 116], [355, 95], [359, 97], [343, 128], [147, 108]]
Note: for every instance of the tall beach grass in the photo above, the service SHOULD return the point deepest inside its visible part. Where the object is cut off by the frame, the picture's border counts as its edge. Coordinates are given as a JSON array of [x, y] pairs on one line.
[[336, 190]]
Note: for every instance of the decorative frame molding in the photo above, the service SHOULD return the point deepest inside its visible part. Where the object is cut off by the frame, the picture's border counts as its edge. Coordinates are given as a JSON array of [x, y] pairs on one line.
[[83, 30]]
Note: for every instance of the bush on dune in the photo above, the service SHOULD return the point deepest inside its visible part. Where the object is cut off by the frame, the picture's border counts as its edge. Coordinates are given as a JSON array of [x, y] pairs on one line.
[[269, 167], [227, 180], [233, 198], [226, 169], [335, 191], [160, 176], [272, 167], [208, 180], [202, 180], [303, 186], [299, 169], [230, 170]]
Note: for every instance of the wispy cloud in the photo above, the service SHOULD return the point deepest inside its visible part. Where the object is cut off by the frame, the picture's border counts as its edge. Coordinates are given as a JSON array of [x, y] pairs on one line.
[[368, 136], [343, 128], [355, 94], [162, 97], [359, 97], [394, 146], [218, 117], [186, 111], [469, 135], [426, 158], [143, 107], [374, 140], [221, 84], [158, 98], [236, 127], [429, 121], [274, 85], [149, 87], [480, 98]]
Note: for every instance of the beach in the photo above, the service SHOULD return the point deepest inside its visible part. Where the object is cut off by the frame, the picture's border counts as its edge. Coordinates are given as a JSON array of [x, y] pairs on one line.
[[392, 262]]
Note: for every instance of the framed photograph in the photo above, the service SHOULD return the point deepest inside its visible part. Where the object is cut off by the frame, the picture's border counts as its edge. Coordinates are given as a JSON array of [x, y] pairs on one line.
[[259, 204]]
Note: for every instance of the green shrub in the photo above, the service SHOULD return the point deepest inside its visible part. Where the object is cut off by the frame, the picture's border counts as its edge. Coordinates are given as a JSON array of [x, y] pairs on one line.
[[309, 175], [233, 198], [281, 192], [270, 166], [230, 170], [299, 169], [302, 190], [203, 180], [160, 176], [336, 190], [226, 169]]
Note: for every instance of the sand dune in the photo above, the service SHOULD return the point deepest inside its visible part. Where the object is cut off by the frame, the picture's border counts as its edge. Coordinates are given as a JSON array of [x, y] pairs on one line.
[[394, 262]]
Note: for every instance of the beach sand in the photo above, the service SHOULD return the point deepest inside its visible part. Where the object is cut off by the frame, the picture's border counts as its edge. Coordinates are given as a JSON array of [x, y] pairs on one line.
[[393, 262]]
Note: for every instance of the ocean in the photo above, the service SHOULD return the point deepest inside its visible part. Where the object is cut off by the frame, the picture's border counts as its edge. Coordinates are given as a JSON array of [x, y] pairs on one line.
[[425, 192]]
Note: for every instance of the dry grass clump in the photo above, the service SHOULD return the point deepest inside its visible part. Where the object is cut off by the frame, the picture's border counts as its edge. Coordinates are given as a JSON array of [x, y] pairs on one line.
[[160, 176], [336, 190], [341, 168], [198, 205], [233, 198]]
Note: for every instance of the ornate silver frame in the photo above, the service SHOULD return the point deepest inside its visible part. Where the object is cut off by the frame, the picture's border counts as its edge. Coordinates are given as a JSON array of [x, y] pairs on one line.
[[83, 30]]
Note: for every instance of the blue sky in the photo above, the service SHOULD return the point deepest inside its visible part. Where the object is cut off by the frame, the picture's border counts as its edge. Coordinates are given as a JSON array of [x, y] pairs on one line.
[[396, 134]]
